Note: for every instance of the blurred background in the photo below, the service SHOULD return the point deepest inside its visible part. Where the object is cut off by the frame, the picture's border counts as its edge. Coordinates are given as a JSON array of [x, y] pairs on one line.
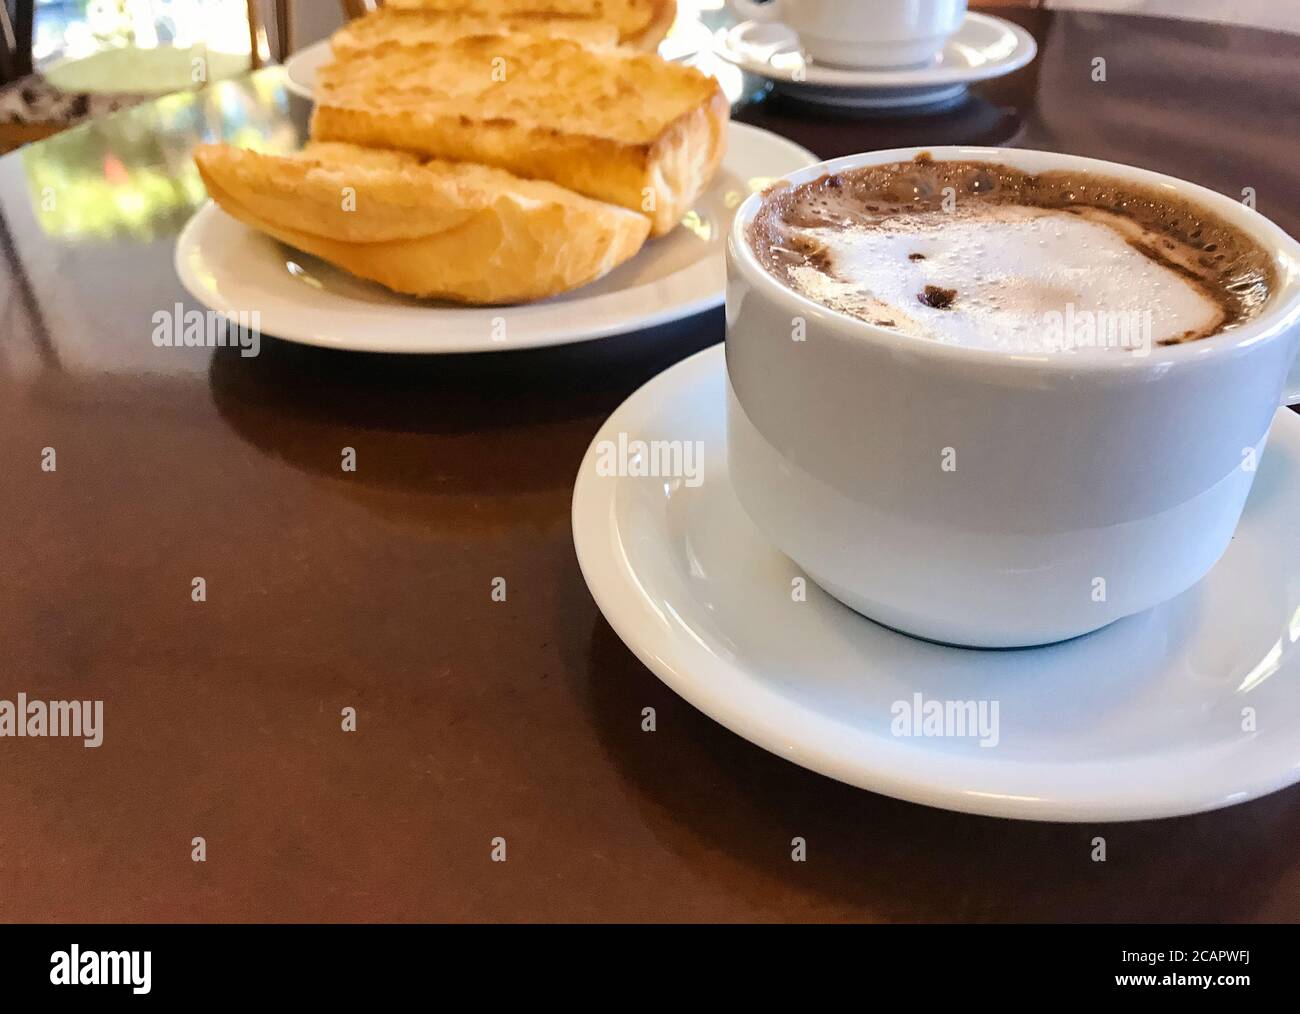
[[64, 61]]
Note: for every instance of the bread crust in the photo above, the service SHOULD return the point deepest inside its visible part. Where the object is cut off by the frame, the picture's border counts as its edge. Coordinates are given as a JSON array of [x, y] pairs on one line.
[[641, 24], [415, 27], [465, 233], [663, 14], [622, 127]]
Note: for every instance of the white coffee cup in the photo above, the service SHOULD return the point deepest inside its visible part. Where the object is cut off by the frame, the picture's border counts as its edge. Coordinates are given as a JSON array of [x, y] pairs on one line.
[[877, 34], [981, 498]]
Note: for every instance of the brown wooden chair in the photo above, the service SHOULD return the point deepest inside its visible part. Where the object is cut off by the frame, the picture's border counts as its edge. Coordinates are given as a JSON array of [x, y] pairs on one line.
[[356, 8], [284, 30], [16, 27]]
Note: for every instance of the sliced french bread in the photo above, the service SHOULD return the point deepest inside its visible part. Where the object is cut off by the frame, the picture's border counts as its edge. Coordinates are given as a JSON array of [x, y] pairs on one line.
[[641, 24], [619, 126], [456, 231]]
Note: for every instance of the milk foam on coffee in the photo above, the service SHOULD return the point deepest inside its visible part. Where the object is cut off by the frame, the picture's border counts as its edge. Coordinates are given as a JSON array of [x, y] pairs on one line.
[[1010, 268], [987, 256]]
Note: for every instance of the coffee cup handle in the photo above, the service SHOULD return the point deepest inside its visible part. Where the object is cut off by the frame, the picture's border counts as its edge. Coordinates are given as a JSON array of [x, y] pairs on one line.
[[751, 11]]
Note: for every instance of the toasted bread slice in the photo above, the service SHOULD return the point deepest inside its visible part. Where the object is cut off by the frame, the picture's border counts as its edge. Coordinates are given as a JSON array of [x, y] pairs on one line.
[[641, 24], [619, 126], [454, 231], [411, 28]]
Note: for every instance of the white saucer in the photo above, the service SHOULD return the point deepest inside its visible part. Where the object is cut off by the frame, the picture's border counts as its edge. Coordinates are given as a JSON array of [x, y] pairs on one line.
[[687, 38], [231, 268], [984, 47], [1139, 720]]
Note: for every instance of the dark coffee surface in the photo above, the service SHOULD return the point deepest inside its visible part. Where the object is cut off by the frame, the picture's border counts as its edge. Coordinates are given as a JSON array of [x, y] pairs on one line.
[[793, 226]]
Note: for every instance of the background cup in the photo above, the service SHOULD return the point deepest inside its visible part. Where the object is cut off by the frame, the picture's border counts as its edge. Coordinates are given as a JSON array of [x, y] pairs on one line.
[[877, 34], [1083, 488]]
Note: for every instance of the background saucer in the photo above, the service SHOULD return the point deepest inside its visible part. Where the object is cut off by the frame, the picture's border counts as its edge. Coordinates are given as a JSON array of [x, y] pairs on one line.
[[880, 100], [983, 47]]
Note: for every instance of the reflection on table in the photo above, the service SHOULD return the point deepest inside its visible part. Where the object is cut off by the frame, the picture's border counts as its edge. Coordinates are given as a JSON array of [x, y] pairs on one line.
[[131, 174]]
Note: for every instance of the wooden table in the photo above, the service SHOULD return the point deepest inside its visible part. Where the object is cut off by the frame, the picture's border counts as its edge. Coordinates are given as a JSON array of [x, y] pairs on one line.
[[372, 590]]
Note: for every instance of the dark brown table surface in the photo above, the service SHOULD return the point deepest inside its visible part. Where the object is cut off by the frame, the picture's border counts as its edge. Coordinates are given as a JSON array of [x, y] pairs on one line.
[[372, 590]]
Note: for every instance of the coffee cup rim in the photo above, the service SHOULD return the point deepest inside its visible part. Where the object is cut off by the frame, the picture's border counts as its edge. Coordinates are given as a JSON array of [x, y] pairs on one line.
[[1279, 314]]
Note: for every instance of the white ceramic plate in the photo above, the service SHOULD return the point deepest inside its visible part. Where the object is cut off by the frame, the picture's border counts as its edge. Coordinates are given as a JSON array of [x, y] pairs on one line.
[[1142, 719], [231, 268], [301, 68], [686, 39], [984, 47]]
